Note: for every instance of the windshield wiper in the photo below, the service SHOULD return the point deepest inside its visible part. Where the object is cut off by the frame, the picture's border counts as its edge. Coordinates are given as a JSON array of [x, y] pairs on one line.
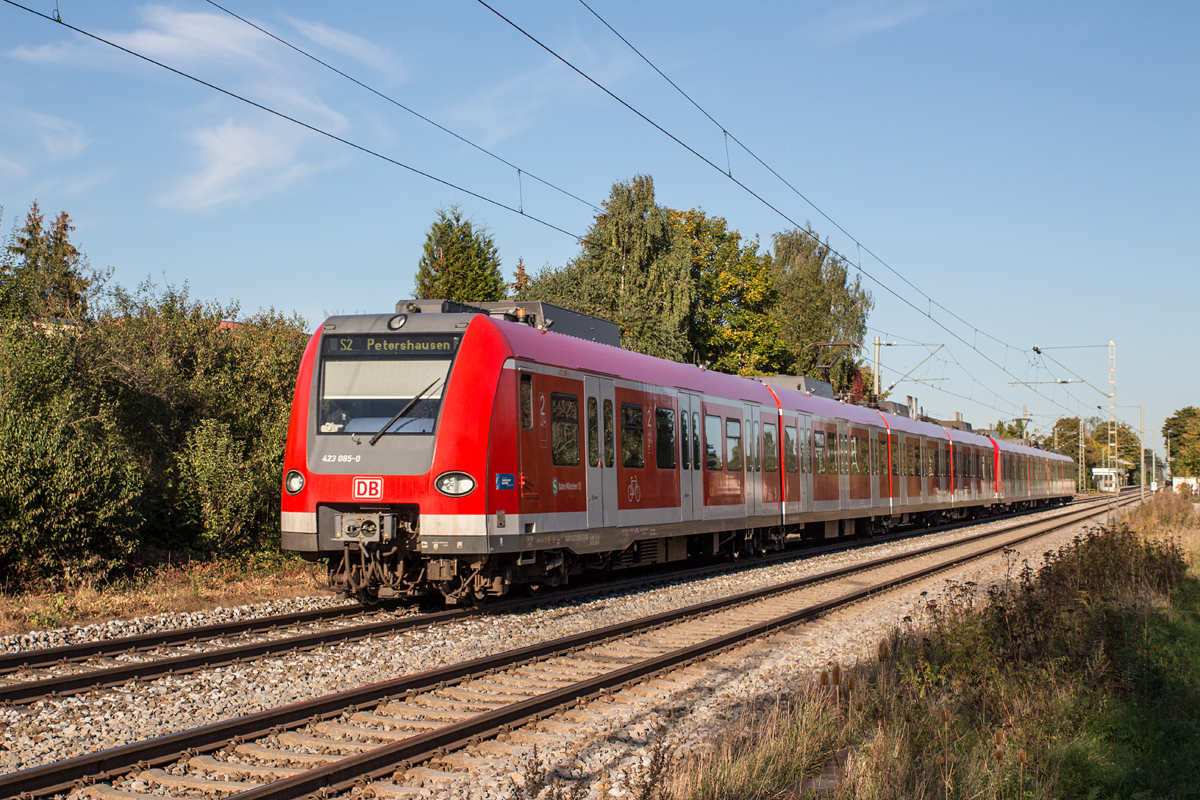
[[402, 412]]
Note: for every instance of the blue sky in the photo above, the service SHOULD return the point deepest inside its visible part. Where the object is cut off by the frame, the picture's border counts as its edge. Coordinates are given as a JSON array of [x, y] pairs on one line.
[[1030, 167]]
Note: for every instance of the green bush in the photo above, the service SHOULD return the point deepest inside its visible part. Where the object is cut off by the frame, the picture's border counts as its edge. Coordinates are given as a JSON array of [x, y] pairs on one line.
[[216, 487], [134, 424], [69, 497]]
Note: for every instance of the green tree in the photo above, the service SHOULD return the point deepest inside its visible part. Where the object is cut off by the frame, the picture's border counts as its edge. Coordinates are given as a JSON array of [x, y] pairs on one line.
[[632, 271], [817, 302], [460, 262], [1013, 429], [732, 326], [1182, 429], [41, 275]]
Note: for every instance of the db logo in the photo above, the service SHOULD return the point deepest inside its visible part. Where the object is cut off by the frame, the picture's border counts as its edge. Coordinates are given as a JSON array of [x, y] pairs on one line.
[[368, 488]]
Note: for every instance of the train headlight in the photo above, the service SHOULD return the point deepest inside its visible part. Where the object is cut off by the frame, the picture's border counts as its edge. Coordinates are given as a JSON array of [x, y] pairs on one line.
[[294, 482], [396, 322], [454, 484]]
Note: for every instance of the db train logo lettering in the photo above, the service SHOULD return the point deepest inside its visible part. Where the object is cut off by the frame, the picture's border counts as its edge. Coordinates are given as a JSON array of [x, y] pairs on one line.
[[368, 488]]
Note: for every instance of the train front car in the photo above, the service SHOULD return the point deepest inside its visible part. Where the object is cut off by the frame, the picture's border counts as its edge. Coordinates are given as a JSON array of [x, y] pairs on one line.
[[387, 452]]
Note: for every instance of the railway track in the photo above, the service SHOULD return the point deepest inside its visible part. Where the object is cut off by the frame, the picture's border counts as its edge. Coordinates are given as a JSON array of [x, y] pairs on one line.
[[33, 675], [375, 733]]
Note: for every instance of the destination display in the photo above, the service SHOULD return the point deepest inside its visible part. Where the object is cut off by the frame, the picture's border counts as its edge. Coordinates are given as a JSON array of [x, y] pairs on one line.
[[375, 344]]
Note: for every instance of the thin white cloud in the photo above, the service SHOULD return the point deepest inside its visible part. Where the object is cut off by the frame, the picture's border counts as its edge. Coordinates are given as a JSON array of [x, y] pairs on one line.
[[53, 139], [188, 39], [240, 162], [361, 50], [73, 185], [12, 169], [849, 22], [513, 105], [255, 155]]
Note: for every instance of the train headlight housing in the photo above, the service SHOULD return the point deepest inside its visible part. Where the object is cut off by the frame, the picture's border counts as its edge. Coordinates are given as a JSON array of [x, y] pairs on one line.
[[397, 322], [454, 484], [294, 481]]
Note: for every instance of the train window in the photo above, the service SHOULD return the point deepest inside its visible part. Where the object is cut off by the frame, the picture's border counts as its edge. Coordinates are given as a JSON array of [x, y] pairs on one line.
[[593, 433], [818, 451], [712, 443], [633, 445], [854, 455], [757, 447], [527, 401], [696, 438], [895, 449], [361, 393], [791, 443], [610, 448], [770, 461], [564, 430], [843, 454], [733, 445], [685, 446], [664, 438]]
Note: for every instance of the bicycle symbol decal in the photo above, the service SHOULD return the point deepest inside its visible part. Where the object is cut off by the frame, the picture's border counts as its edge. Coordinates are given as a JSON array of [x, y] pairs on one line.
[[634, 492]]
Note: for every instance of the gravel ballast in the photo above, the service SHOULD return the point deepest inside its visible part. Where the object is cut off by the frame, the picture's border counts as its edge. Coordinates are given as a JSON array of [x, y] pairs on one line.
[[57, 729]]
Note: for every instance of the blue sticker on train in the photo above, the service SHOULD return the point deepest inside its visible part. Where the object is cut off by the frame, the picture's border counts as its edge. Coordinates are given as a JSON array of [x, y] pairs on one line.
[[506, 480]]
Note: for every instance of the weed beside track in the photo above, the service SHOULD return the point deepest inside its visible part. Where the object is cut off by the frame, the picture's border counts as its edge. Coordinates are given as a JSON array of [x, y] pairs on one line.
[[1077, 677], [187, 586]]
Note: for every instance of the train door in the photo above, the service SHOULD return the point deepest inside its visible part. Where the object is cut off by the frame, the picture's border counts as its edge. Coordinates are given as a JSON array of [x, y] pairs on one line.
[[527, 442], [691, 474], [792, 474], [752, 443], [806, 464], [601, 456], [843, 448]]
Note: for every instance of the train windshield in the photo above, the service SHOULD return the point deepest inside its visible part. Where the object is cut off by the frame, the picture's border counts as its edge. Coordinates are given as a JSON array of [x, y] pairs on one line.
[[368, 380]]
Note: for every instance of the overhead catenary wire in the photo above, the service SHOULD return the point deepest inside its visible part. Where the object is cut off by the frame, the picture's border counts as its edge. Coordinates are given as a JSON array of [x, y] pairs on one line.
[[293, 120], [520, 170], [519, 210], [725, 132]]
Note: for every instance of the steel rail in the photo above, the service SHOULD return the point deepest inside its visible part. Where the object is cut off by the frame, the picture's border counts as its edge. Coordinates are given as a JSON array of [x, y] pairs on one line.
[[48, 656], [65, 685], [376, 763], [103, 765]]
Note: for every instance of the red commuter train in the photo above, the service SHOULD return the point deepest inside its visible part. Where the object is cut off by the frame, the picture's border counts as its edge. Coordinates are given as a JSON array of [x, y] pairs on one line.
[[470, 450]]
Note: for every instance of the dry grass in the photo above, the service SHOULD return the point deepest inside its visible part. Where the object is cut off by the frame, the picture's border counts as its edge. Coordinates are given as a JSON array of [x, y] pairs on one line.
[[193, 586], [1169, 515], [772, 749], [1004, 697]]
